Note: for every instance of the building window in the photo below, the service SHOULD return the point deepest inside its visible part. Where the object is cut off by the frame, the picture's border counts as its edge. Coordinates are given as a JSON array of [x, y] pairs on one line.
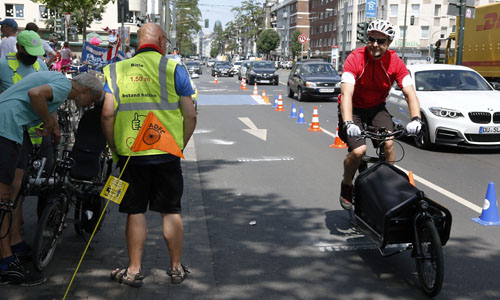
[[394, 10], [425, 32], [443, 31], [44, 12], [401, 31], [326, 27], [14, 10], [437, 10], [415, 9]]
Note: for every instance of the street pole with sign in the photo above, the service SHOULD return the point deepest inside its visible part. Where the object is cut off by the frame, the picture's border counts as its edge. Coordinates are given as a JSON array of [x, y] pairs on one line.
[[463, 9], [302, 40]]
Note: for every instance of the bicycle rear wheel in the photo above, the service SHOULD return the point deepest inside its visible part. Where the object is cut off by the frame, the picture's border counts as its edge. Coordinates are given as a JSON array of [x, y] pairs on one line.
[[47, 234], [430, 265]]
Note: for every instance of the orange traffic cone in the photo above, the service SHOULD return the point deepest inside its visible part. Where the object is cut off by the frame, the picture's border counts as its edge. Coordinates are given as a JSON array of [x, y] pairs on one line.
[[264, 97], [338, 143], [280, 106], [255, 90], [244, 84], [410, 178], [216, 81], [315, 121], [241, 84]]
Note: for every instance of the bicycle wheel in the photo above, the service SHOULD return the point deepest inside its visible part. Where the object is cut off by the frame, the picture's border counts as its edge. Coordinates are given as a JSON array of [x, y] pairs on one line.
[[47, 234], [430, 265]]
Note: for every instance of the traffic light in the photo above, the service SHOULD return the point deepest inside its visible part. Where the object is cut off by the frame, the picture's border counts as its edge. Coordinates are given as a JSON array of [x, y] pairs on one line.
[[122, 11], [437, 52], [412, 20], [361, 32], [206, 23]]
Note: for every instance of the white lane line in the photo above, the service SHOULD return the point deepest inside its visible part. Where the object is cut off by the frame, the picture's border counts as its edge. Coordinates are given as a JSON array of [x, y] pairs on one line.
[[258, 99], [283, 158], [448, 194], [333, 135]]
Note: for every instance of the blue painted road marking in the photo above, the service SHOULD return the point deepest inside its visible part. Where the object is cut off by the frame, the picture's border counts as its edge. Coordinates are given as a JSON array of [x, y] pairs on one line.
[[226, 100]]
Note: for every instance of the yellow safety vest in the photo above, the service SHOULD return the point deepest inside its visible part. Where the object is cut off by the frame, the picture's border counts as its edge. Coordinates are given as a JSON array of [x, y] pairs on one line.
[[14, 65], [141, 84]]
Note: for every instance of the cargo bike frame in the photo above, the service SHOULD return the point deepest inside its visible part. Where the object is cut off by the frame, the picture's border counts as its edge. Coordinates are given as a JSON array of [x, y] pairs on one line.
[[390, 210]]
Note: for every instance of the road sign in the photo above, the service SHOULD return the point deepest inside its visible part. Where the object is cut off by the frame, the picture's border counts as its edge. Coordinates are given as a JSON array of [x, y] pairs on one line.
[[371, 8], [302, 38]]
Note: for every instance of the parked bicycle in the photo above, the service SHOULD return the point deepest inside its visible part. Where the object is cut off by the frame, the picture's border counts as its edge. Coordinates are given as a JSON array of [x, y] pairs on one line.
[[390, 210], [75, 181]]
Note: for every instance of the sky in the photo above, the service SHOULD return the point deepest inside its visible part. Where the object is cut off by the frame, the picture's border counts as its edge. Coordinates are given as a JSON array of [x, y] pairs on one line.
[[217, 10]]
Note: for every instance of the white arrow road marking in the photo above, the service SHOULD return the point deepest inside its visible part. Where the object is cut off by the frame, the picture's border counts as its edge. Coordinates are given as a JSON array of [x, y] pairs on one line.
[[260, 133]]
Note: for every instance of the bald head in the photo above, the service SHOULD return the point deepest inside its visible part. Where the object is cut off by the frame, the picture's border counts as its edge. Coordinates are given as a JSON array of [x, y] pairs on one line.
[[152, 33]]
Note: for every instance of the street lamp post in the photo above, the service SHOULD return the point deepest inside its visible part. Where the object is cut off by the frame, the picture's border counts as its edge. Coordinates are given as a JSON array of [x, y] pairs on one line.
[[344, 34], [174, 21], [404, 33]]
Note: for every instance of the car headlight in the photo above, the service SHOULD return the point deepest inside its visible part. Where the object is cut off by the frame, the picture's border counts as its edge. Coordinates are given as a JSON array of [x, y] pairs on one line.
[[446, 112], [310, 84], [338, 84], [253, 73], [275, 73]]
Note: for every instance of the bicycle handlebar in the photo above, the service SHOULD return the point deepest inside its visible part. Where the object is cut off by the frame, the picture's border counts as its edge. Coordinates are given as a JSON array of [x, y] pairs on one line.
[[381, 133]]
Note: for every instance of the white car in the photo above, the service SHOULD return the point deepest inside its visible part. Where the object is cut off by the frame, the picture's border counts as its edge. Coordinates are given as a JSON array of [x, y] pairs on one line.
[[458, 106]]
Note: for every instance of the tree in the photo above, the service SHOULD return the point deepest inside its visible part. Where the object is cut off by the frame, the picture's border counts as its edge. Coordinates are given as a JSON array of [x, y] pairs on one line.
[[188, 16], [250, 17], [295, 46], [84, 12], [268, 41], [214, 51]]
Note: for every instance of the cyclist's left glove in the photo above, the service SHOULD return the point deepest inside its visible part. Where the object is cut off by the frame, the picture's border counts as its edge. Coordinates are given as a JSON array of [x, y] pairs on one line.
[[414, 126]]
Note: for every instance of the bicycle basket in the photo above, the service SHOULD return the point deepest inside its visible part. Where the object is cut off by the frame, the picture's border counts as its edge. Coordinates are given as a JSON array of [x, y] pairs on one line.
[[379, 189]]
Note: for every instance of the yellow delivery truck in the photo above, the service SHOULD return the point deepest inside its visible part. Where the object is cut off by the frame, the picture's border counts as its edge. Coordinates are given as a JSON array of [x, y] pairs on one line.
[[481, 50]]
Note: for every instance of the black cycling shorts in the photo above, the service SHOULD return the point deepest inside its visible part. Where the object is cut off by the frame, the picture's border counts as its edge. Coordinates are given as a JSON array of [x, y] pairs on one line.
[[10, 158], [376, 116], [161, 186]]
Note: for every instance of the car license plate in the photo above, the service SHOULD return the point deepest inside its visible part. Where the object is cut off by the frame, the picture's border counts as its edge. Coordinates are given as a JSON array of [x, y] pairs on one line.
[[327, 90], [489, 129], [264, 81]]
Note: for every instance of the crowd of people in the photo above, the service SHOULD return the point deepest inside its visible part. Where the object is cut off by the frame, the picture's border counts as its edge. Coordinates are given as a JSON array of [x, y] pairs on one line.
[[29, 99]]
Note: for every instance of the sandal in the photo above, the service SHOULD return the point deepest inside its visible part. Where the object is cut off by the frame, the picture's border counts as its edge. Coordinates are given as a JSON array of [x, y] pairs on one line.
[[177, 276], [121, 276]]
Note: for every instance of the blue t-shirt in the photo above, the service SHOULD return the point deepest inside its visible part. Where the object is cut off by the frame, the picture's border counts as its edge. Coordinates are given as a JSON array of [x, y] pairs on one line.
[[15, 106], [182, 82], [6, 72]]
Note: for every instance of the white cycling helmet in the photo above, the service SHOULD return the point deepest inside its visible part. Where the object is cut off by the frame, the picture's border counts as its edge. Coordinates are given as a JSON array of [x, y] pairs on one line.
[[382, 26]]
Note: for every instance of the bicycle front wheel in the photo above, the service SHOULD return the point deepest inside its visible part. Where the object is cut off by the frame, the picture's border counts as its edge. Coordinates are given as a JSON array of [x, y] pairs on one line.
[[47, 234], [430, 264]]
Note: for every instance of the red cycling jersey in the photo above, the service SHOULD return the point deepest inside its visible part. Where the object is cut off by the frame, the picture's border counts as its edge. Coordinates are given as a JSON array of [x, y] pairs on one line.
[[374, 78]]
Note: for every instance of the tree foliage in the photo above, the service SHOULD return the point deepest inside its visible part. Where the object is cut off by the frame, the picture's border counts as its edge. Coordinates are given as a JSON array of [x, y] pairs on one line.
[[268, 41], [84, 12], [295, 46], [188, 15], [250, 17]]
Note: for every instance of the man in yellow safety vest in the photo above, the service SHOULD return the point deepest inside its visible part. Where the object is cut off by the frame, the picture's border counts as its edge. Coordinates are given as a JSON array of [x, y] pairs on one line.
[[149, 82]]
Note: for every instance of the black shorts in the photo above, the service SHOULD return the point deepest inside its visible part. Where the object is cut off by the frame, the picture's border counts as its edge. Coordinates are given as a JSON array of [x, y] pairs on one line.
[[160, 186], [377, 117], [10, 159]]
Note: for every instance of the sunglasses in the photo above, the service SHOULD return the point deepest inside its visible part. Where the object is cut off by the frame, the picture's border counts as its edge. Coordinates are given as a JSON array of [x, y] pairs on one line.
[[379, 41]]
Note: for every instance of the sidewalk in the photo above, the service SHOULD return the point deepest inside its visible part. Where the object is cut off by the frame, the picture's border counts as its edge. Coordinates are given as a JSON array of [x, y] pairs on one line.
[[108, 251]]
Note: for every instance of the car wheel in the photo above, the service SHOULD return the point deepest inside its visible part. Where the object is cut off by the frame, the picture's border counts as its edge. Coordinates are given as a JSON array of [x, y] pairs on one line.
[[239, 77], [290, 92], [277, 81], [422, 140], [300, 95]]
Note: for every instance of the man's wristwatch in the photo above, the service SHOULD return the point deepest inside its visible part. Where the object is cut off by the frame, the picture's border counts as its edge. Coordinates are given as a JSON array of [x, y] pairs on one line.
[[417, 118], [347, 123]]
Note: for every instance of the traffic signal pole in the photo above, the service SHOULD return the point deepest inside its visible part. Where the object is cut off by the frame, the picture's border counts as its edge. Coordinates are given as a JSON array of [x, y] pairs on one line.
[[404, 33]]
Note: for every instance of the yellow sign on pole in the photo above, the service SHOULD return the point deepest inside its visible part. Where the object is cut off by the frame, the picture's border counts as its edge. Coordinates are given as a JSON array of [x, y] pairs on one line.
[[114, 189]]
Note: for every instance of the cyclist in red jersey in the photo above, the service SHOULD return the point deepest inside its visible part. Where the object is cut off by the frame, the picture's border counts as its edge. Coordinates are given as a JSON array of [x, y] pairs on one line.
[[367, 77]]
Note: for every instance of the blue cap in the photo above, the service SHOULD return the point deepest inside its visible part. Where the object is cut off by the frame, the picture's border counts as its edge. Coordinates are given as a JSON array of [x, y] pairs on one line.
[[9, 22]]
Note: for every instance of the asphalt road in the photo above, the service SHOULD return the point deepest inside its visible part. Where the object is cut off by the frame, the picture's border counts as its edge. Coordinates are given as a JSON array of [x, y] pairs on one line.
[[275, 225]]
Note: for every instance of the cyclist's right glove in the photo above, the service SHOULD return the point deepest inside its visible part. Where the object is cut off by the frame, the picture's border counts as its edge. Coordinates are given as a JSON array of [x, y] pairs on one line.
[[352, 129]]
